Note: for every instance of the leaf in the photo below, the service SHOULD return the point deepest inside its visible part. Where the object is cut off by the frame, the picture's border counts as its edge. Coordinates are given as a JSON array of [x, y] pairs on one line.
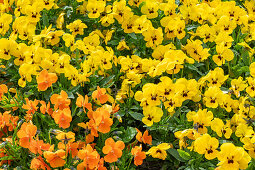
[[192, 67], [70, 95], [129, 134], [133, 35], [191, 27], [45, 19], [184, 155], [175, 154], [107, 80], [113, 42], [136, 115]]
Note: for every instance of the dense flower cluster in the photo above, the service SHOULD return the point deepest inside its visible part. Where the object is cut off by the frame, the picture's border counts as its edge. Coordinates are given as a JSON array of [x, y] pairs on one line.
[[103, 84]]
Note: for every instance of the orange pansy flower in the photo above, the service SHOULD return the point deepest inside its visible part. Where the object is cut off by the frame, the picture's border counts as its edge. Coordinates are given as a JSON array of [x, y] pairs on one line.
[[36, 146], [55, 159], [113, 150], [60, 101], [70, 148], [30, 106], [83, 102], [139, 155], [3, 89], [145, 138], [63, 117], [100, 95], [102, 120], [45, 80], [26, 134], [45, 108], [89, 156], [7, 120], [38, 163], [101, 165]]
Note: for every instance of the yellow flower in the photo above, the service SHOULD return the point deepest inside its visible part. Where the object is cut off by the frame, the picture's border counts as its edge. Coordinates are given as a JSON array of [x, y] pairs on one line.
[[121, 11], [108, 36], [95, 8], [252, 69], [60, 20], [201, 119], [216, 77], [196, 50], [76, 27], [243, 130], [159, 151], [249, 145], [207, 145], [212, 97], [122, 45], [222, 55], [141, 24], [154, 37], [7, 48], [151, 114], [232, 157], [69, 41], [150, 9], [218, 126], [238, 85], [5, 21]]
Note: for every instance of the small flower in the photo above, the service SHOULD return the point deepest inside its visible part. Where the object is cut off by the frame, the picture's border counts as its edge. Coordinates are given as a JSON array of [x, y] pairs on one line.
[[113, 150], [45, 80], [159, 151]]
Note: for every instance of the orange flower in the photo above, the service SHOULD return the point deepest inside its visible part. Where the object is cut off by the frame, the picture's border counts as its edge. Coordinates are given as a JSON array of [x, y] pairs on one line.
[[100, 95], [71, 148], [26, 134], [7, 120], [81, 102], [63, 117], [89, 156], [89, 138], [139, 155], [46, 108], [60, 101], [3, 89], [145, 138], [45, 80], [36, 146], [113, 150], [55, 159], [38, 163], [100, 121], [31, 106], [101, 165], [115, 107]]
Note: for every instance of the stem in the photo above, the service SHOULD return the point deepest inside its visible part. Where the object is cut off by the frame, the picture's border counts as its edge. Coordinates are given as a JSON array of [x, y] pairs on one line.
[[130, 162]]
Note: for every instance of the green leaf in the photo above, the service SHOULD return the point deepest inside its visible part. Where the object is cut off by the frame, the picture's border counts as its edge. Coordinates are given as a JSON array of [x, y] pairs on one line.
[[184, 155], [70, 95], [107, 80], [113, 42], [192, 67], [175, 154], [133, 35], [191, 27], [45, 19], [136, 115], [129, 134]]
